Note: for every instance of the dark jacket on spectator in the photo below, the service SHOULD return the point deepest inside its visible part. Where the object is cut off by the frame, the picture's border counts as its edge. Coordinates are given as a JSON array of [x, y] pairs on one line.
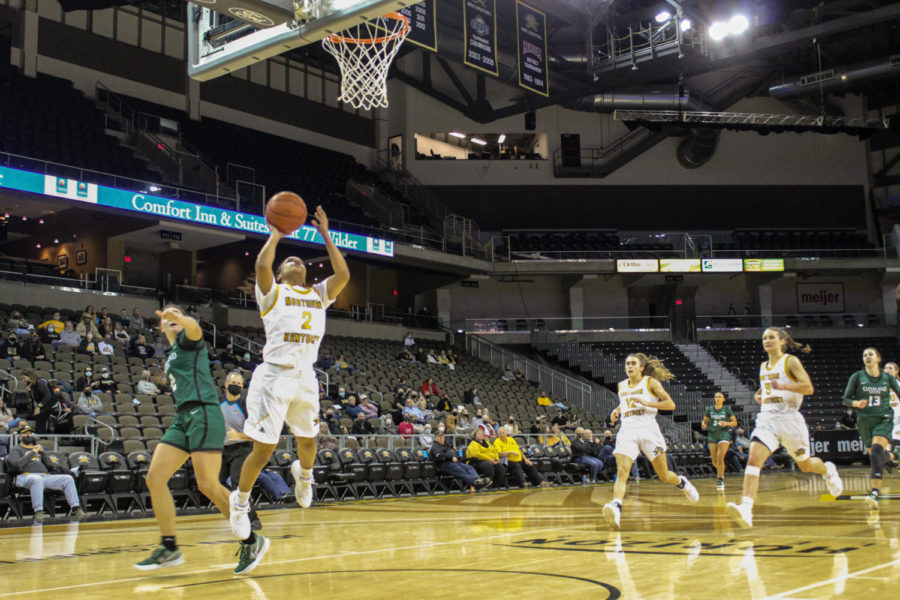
[[441, 453], [580, 447]]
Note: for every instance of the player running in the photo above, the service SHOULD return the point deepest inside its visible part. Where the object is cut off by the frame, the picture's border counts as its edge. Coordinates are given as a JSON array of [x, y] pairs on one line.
[[869, 392], [198, 432], [783, 382], [284, 388], [640, 397], [893, 370], [716, 421]]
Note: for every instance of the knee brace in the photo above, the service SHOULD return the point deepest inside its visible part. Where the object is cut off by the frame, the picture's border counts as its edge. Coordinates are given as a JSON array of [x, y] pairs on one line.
[[751, 471], [877, 459]]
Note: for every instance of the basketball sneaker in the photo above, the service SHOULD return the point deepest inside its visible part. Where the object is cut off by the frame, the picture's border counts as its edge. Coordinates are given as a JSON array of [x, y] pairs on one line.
[[740, 514], [872, 499], [251, 554], [688, 489], [833, 480], [239, 519], [612, 512], [720, 485], [161, 557], [303, 488]]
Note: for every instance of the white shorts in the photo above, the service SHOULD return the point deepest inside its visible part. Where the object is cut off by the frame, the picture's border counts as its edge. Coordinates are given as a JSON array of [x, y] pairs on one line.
[[646, 438], [895, 434], [277, 396], [785, 429]]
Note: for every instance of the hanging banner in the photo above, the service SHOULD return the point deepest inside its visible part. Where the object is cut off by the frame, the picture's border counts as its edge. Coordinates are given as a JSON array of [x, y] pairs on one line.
[[480, 33], [531, 33], [422, 24]]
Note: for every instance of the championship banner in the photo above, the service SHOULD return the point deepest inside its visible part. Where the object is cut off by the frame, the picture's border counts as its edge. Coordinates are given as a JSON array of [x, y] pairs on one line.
[[480, 34], [422, 24], [531, 35]]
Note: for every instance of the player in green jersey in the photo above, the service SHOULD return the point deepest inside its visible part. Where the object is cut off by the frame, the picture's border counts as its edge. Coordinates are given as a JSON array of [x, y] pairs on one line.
[[716, 421], [198, 433], [869, 392]]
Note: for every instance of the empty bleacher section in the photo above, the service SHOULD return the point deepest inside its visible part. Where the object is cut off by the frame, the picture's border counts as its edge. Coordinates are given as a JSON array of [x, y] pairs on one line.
[[829, 365], [45, 118]]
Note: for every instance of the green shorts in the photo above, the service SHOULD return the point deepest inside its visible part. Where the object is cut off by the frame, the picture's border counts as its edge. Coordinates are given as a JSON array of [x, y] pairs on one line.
[[869, 427], [714, 437], [197, 429]]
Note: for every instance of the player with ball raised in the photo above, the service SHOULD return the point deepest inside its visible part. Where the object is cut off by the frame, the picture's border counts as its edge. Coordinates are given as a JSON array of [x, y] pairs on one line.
[[284, 388]]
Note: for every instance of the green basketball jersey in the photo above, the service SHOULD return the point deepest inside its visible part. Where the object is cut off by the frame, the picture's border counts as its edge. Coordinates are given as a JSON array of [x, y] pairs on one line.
[[877, 390], [717, 417], [187, 368]]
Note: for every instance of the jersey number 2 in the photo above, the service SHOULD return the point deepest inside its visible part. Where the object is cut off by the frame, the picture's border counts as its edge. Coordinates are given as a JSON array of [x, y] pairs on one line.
[[307, 317]]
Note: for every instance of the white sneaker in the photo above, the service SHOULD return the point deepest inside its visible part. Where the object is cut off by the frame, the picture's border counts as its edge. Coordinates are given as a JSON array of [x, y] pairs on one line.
[[689, 490], [740, 514], [239, 519], [303, 488], [612, 514], [833, 480]]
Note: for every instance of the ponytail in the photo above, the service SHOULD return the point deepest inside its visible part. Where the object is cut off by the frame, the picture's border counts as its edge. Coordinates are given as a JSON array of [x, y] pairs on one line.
[[789, 344], [653, 367]]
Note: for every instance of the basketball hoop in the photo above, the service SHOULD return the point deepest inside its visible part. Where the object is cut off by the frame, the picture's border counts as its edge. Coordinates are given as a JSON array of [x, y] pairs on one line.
[[364, 53]]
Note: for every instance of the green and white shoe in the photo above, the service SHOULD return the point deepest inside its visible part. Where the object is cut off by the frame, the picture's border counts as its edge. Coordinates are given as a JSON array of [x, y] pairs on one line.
[[160, 558], [251, 554], [872, 500]]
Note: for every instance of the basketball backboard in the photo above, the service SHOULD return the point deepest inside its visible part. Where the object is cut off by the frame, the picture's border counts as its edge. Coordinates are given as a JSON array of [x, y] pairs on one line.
[[218, 44]]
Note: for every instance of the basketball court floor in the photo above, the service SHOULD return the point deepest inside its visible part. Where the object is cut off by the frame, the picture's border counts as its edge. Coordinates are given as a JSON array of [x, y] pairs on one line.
[[522, 544]]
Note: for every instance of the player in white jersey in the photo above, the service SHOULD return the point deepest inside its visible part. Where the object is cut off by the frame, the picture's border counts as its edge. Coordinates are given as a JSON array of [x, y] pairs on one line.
[[782, 384], [893, 370], [284, 388], [640, 397]]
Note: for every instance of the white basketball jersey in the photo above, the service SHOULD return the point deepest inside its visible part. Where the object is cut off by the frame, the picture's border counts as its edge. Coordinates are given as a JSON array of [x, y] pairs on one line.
[[632, 413], [895, 404], [294, 319], [781, 400]]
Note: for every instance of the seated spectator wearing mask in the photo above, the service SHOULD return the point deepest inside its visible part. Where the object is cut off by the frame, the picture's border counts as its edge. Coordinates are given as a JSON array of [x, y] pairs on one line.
[[88, 403], [236, 450], [447, 461], [582, 453], [368, 409], [89, 344], [145, 385], [483, 456], [331, 421], [105, 346], [69, 337], [350, 408], [361, 425], [325, 440], [405, 428], [426, 439], [10, 349], [87, 325], [141, 349], [106, 381], [36, 471], [517, 464]]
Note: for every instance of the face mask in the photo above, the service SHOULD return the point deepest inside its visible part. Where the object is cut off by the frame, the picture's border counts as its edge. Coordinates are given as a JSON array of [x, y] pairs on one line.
[[27, 440], [341, 394], [234, 389], [441, 429], [88, 373], [246, 357]]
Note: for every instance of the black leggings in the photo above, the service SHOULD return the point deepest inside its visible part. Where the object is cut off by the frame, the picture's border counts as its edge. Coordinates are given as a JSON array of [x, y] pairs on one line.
[[496, 473]]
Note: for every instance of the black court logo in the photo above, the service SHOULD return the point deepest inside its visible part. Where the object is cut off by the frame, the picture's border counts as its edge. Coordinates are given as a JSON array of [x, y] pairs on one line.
[[251, 15]]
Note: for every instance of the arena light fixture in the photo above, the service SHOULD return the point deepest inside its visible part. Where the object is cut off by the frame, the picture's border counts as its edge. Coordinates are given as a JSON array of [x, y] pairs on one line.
[[457, 134], [685, 25], [718, 31], [478, 141], [738, 24], [154, 188], [502, 138], [663, 16]]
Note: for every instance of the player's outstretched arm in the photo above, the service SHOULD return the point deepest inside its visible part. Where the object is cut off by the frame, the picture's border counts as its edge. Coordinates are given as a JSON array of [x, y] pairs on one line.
[[341, 276], [191, 327], [265, 276]]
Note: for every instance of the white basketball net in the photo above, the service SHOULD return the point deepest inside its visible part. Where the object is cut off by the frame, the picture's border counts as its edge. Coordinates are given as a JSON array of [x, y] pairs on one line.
[[365, 53]]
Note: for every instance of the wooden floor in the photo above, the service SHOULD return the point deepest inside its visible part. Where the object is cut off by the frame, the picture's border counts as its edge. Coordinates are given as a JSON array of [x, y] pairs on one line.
[[519, 545]]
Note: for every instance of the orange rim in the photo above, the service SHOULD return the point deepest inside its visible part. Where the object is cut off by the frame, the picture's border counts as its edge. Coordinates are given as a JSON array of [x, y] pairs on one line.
[[337, 38]]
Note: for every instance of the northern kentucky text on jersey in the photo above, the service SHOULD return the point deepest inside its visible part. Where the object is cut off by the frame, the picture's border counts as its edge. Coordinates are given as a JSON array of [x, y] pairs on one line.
[[303, 302]]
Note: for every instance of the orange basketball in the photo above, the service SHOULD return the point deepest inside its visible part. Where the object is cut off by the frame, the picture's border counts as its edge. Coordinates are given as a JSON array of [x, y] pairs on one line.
[[286, 211]]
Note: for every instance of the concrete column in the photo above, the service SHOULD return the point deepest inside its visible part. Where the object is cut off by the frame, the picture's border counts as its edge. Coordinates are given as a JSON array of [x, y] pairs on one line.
[[192, 99], [765, 304], [443, 306], [576, 301], [30, 42]]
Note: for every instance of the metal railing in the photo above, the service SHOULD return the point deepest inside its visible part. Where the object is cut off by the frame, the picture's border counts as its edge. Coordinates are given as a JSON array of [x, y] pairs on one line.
[[526, 324], [797, 320], [210, 328], [244, 343], [52, 442], [83, 283]]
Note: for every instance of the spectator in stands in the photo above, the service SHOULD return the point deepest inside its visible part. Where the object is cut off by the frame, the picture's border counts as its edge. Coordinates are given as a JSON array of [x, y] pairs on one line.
[[35, 470], [136, 321], [105, 346], [192, 312], [560, 419], [17, 323], [543, 399], [406, 356], [87, 325], [33, 348], [517, 464], [106, 381], [554, 436], [69, 337], [536, 426], [54, 323], [446, 459], [848, 420], [443, 405], [426, 438], [451, 357], [7, 423], [51, 411], [508, 374], [11, 350], [429, 388], [146, 385], [325, 361], [409, 341], [520, 376], [387, 423], [342, 365], [471, 396], [104, 314], [406, 428], [89, 309], [334, 426], [512, 426], [89, 345], [443, 359], [51, 335], [120, 335], [159, 349], [227, 355], [414, 413], [246, 364], [326, 441], [340, 395], [401, 388], [89, 403], [367, 408], [582, 453], [431, 357], [450, 422], [464, 425], [361, 425], [123, 318], [107, 327], [487, 425], [422, 405], [484, 457], [351, 409], [85, 380], [236, 448], [141, 349], [420, 356]]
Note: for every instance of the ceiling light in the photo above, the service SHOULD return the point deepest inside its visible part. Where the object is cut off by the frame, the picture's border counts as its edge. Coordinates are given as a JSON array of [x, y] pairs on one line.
[[663, 16], [502, 138], [154, 188], [41, 221], [37, 245], [24, 218], [458, 134], [718, 30], [478, 141], [55, 240], [685, 25], [738, 24]]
